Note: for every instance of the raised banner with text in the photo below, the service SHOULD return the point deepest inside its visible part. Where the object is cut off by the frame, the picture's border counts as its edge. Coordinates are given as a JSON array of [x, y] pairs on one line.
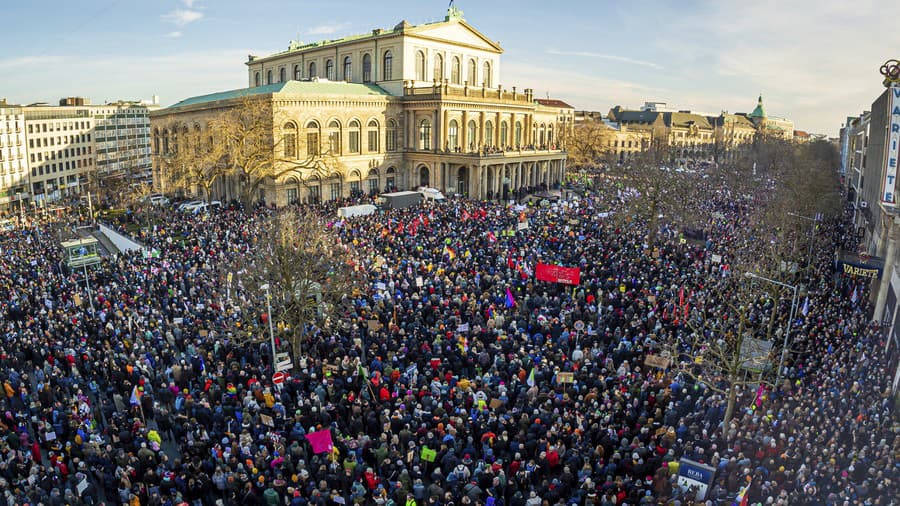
[[558, 274]]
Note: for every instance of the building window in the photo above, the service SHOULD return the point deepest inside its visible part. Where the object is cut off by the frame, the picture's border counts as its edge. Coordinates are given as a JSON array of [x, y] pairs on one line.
[[472, 135], [504, 135], [373, 182], [291, 195], [312, 70], [355, 188], [298, 74], [348, 69], [312, 138], [374, 146], [334, 138], [420, 66], [486, 77], [455, 70], [335, 191], [329, 70], [256, 79], [438, 67], [268, 77], [425, 134], [315, 193], [391, 136], [354, 136], [550, 136], [471, 74], [387, 69], [282, 75], [367, 68], [488, 134], [518, 134], [289, 140], [453, 135]]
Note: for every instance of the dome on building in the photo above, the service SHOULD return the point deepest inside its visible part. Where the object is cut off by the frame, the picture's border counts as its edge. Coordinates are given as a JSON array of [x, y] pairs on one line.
[[759, 112]]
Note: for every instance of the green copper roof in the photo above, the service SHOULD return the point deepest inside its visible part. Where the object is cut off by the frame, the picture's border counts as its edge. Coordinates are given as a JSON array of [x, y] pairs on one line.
[[759, 112], [290, 87]]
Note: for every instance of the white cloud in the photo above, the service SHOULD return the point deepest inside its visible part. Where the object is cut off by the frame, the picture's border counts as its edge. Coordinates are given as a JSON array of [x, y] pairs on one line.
[[327, 29], [188, 3], [182, 17], [174, 35], [611, 57]]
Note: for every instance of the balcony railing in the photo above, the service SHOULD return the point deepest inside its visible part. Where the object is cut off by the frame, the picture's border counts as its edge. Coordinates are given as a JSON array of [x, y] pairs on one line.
[[441, 90]]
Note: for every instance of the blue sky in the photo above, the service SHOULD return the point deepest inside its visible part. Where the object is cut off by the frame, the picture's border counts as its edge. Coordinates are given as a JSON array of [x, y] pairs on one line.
[[814, 61]]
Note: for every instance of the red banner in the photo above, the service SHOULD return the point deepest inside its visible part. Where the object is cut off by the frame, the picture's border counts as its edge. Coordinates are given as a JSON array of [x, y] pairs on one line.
[[558, 274]]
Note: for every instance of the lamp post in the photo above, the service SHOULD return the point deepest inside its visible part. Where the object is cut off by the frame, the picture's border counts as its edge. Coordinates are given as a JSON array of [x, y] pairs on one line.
[[790, 318], [271, 328]]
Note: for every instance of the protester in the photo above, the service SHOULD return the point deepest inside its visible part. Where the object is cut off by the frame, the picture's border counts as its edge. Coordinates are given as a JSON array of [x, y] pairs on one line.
[[437, 383]]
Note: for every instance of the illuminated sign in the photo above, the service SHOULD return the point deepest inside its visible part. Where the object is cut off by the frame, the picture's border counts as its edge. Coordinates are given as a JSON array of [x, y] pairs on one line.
[[892, 148]]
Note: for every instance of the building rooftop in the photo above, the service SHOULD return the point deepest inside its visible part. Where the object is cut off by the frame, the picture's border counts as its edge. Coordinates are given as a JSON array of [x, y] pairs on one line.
[[291, 87], [550, 102], [759, 111]]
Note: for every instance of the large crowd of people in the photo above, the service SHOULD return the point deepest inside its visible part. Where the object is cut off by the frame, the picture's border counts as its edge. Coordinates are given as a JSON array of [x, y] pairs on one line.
[[452, 376]]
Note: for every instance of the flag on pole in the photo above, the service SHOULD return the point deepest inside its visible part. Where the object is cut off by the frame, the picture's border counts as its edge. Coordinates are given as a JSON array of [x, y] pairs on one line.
[[805, 309], [742, 498], [510, 301], [530, 380], [136, 396], [320, 441], [449, 252], [757, 403]]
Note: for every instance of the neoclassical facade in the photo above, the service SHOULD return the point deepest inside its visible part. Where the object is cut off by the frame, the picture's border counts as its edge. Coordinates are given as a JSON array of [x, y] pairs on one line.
[[397, 109]]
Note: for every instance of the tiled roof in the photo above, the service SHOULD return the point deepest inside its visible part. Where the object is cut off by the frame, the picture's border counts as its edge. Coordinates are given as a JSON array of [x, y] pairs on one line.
[[683, 119], [552, 102], [292, 87]]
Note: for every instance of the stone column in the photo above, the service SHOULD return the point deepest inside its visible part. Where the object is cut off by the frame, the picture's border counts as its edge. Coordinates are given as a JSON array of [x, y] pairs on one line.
[[481, 139], [446, 126], [464, 131], [511, 140], [438, 133], [410, 128]]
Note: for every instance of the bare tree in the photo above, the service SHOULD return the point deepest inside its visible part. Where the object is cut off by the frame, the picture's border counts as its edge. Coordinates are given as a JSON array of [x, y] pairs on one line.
[[255, 149], [307, 268]]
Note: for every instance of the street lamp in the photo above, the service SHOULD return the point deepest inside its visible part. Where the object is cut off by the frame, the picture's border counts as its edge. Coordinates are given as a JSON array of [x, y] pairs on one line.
[[787, 334], [271, 328]]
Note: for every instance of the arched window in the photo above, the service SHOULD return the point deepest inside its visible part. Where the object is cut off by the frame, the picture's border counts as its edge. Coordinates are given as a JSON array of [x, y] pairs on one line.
[[420, 66], [387, 69], [354, 131], [438, 67], [329, 70], [488, 134], [282, 75], [367, 68], [374, 145], [550, 135], [472, 135], [504, 135], [334, 137], [289, 140], [486, 75], [372, 181], [256, 79], [298, 73], [268, 77], [453, 135], [312, 70], [312, 138], [390, 140], [425, 134], [166, 142], [455, 71], [543, 135], [471, 75], [518, 134], [348, 69]]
